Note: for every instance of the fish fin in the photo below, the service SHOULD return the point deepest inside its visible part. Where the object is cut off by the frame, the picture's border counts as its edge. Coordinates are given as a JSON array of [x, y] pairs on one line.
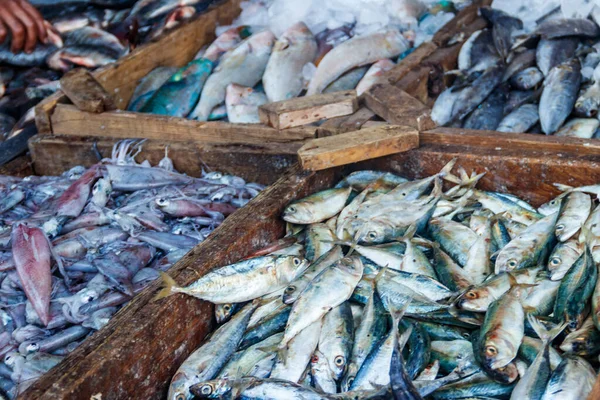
[[380, 274], [274, 348], [170, 286], [404, 336], [547, 336], [409, 234], [447, 168], [564, 188], [512, 280], [397, 311]]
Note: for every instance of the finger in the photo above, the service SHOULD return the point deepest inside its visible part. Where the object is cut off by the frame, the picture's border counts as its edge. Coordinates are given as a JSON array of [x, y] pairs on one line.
[[17, 30], [3, 32], [31, 34], [37, 19]]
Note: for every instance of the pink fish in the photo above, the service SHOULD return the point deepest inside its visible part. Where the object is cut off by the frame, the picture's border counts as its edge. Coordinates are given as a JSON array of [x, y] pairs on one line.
[[31, 252], [72, 201]]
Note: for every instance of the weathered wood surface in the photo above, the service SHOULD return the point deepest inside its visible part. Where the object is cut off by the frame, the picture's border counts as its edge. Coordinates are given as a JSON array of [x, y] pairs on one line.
[[264, 163], [411, 61], [68, 120], [85, 92], [351, 147], [394, 105], [176, 48], [308, 109], [20, 166], [452, 29], [137, 353]]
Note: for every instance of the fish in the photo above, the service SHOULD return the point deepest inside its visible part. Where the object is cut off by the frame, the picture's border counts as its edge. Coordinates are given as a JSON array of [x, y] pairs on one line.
[[489, 114], [559, 95], [245, 65], [503, 26], [374, 74], [317, 207], [242, 104], [295, 48], [561, 27], [148, 86], [475, 93], [572, 379], [347, 81], [553, 52], [267, 274], [356, 52], [527, 79], [180, 93]]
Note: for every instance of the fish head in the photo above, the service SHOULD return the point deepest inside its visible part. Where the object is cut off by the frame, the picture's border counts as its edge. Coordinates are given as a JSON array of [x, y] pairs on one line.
[[476, 299], [223, 312], [290, 267], [215, 389], [297, 32], [262, 42], [373, 232], [351, 265], [299, 212], [338, 365], [576, 345], [235, 93], [508, 260], [507, 374], [497, 352], [587, 106], [349, 377], [180, 387]]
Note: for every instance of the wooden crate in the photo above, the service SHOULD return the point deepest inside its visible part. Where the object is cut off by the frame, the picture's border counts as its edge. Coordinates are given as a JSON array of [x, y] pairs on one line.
[[137, 353], [407, 93]]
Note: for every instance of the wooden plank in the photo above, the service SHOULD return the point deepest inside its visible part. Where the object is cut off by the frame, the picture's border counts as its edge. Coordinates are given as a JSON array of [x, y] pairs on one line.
[[347, 148], [355, 121], [394, 105], [20, 166], [68, 120], [416, 83], [142, 346], [308, 109], [411, 61], [453, 28], [263, 163], [503, 141], [85, 92]]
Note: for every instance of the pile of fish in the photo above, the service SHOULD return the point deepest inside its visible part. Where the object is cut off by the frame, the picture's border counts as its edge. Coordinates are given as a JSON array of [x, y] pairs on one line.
[[81, 33], [389, 288], [547, 81], [75, 248], [246, 67]]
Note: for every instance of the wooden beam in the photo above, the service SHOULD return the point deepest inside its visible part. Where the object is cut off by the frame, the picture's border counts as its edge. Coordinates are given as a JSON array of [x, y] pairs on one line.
[[394, 105], [263, 163], [452, 31], [410, 61], [308, 109], [85, 92], [348, 148], [68, 120]]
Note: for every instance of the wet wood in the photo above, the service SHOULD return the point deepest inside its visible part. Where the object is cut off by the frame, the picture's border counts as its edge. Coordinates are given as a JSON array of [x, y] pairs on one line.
[[308, 109], [263, 163], [394, 105], [85, 92], [351, 147], [68, 120], [411, 61], [452, 30]]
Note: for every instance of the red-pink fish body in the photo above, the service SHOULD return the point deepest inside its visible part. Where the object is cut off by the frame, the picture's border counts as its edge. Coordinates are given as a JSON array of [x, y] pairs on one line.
[[72, 201], [31, 252]]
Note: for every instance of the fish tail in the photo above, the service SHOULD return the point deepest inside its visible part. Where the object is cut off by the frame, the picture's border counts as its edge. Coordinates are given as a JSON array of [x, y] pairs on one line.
[[397, 311], [547, 336], [447, 168], [170, 287]]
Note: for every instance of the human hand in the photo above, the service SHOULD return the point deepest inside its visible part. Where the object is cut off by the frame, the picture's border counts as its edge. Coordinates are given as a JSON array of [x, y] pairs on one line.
[[25, 24]]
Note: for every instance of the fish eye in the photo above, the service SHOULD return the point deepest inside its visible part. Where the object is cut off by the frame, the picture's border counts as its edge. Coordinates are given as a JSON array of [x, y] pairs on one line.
[[292, 209], [555, 261], [512, 263], [206, 389], [553, 202], [226, 307], [560, 227], [339, 361], [162, 201], [32, 347], [350, 381], [491, 350], [472, 295], [314, 359], [89, 299], [372, 235], [466, 335], [180, 396], [290, 289], [297, 261]]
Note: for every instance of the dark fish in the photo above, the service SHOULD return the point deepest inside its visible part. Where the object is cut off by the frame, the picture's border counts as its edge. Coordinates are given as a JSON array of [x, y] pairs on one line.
[[520, 120], [558, 28], [148, 86], [6, 124], [474, 94], [503, 26], [527, 79], [401, 383], [95, 38], [516, 98], [36, 58], [82, 56], [519, 62], [488, 114], [559, 95], [478, 52], [551, 52]]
